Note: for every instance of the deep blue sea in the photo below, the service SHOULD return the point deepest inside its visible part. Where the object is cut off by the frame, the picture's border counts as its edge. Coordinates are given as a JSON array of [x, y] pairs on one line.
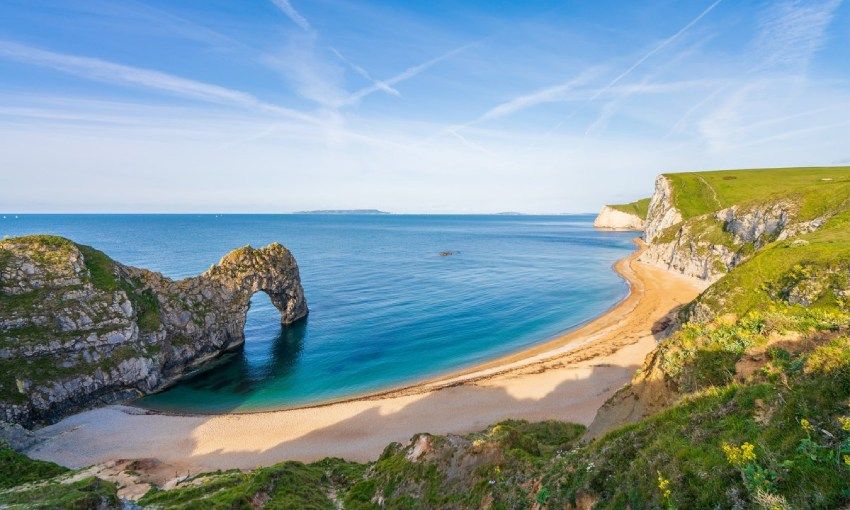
[[385, 308]]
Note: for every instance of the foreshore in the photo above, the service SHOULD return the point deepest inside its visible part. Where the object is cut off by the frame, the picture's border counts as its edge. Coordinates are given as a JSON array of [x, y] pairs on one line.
[[566, 379]]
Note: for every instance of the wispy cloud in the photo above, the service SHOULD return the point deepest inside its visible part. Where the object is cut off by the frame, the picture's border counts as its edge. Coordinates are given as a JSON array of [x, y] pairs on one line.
[[679, 125], [292, 14], [541, 96], [663, 44], [310, 71], [565, 91], [302, 67], [110, 72], [789, 35], [408, 73], [621, 94], [792, 31]]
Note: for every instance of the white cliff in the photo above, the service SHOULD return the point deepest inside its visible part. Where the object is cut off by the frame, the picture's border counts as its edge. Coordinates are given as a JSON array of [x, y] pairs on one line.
[[614, 219]]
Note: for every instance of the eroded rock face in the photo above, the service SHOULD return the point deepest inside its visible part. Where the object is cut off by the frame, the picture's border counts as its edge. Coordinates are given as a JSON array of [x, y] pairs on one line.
[[78, 329], [613, 219], [708, 246], [662, 212], [755, 225]]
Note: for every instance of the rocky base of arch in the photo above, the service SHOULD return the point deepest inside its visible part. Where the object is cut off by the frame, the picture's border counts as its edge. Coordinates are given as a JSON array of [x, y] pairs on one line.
[[78, 329]]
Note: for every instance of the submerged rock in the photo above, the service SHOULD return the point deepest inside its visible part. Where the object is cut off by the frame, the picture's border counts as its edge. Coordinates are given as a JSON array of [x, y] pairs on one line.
[[78, 329]]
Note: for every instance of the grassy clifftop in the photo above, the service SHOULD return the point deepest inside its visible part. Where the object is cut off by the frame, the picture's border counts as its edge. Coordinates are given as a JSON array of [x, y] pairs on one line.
[[816, 189], [639, 208]]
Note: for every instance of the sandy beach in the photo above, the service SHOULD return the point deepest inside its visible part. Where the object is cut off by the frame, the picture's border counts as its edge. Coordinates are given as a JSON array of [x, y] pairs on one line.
[[567, 379]]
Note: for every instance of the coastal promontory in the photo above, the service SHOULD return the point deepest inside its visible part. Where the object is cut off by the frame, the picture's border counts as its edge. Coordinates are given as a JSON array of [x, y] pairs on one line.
[[78, 329], [629, 216]]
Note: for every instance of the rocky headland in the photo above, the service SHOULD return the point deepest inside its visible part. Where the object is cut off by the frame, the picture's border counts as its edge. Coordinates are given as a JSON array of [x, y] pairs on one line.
[[78, 329], [610, 218]]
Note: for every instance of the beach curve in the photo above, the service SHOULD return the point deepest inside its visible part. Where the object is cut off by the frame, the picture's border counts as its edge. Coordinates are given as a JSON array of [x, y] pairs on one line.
[[567, 378]]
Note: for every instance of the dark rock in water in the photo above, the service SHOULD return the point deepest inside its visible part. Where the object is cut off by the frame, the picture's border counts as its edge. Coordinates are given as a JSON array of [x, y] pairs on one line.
[[448, 253], [78, 329]]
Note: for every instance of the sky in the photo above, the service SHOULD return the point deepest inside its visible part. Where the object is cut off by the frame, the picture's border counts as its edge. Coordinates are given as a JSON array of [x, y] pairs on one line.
[[478, 106]]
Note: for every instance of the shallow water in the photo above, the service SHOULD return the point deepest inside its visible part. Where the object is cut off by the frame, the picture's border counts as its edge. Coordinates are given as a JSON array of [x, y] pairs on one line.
[[385, 308]]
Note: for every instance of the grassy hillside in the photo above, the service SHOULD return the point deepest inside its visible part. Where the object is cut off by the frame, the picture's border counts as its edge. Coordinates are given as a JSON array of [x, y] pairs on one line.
[[817, 189], [28, 484], [639, 208]]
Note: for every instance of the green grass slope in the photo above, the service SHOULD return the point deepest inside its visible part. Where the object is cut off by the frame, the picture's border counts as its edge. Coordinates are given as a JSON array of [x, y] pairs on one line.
[[34, 484], [817, 189], [639, 208]]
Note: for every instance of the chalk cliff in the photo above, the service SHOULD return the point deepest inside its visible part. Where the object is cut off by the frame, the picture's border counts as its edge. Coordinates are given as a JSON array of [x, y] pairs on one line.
[[78, 329], [614, 219], [708, 245]]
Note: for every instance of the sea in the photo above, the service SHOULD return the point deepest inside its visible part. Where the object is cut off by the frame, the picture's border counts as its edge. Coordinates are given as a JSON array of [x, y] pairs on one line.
[[387, 307]]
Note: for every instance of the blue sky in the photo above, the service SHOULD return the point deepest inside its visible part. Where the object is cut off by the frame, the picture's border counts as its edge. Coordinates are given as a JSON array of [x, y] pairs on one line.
[[442, 106]]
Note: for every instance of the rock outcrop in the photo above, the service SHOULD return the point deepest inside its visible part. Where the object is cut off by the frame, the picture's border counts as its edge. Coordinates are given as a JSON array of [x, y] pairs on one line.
[[707, 246], [613, 219], [78, 329], [662, 211]]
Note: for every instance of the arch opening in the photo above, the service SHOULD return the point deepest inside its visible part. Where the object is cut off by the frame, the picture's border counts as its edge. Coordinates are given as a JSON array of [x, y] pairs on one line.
[[270, 348]]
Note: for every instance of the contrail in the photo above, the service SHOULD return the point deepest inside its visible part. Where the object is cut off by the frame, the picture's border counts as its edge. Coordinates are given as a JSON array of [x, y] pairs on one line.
[[408, 73], [292, 14], [655, 50]]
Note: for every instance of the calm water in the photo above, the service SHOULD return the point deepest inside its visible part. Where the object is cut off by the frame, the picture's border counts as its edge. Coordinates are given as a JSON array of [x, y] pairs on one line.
[[385, 308]]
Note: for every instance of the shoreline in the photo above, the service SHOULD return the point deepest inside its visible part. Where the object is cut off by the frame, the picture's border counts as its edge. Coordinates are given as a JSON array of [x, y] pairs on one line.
[[452, 377], [567, 378]]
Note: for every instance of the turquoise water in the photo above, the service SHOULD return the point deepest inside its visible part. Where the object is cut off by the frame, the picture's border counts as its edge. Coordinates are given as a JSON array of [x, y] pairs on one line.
[[385, 308]]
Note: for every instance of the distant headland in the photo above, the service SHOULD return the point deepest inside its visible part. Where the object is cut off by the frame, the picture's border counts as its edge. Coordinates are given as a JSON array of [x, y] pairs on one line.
[[343, 211]]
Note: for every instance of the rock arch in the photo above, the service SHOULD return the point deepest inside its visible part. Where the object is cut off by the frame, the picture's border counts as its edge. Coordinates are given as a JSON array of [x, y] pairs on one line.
[[114, 332], [272, 270]]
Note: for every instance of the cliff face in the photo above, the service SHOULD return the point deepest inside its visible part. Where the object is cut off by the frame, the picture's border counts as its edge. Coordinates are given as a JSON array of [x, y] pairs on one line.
[[662, 213], [774, 245], [707, 246], [613, 219], [78, 329]]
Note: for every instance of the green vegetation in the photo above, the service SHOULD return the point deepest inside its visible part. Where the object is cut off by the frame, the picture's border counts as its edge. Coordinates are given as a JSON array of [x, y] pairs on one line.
[[101, 268], [817, 190], [792, 465], [83, 494], [144, 303], [17, 469], [639, 208], [289, 485], [798, 194], [35, 484], [817, 260]]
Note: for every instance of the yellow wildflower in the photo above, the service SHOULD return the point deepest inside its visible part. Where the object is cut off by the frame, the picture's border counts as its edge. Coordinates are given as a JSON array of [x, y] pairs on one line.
[[847, 460], [807, 425], [739, 455], [732, 453], [845, 423], [664, 487], [748, 452]]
